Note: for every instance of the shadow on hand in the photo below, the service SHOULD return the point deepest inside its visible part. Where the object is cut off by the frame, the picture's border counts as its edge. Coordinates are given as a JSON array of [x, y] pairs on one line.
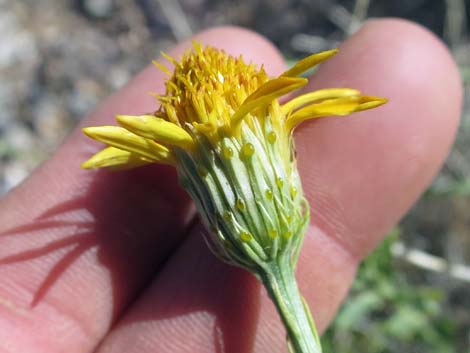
[[133, 219]]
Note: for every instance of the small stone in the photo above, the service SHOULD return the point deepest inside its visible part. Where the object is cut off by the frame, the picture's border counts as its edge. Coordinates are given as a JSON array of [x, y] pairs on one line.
[[13, 174], [98, 8]]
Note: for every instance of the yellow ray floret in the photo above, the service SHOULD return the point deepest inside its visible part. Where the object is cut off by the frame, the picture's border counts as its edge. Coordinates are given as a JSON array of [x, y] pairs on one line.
[[121, 138], [339, 106], [327, 93], [267, 93], [114, 158], [310, 61], [158, 129], [370, 102]]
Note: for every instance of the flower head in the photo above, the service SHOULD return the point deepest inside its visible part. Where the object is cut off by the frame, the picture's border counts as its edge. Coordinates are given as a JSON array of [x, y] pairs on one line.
[[221, 125]]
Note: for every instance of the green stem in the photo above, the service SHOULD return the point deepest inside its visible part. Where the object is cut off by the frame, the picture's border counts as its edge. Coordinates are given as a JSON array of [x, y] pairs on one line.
[[280, 283]]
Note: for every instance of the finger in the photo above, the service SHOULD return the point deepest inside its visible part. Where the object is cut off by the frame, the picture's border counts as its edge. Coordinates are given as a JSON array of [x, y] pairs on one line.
[[76, 247], [360, 174]]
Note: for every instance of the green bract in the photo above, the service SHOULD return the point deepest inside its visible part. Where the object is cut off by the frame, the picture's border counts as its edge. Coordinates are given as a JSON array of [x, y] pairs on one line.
[[248, 196]]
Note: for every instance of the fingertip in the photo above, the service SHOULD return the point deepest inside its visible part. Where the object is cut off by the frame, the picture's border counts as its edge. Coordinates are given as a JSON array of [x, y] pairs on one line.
[[418, 54], [409, 66], [393, 57], [395, 149], [417, 73]]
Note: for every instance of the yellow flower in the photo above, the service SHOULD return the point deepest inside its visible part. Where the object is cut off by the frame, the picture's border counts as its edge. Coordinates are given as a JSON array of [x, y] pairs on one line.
[[221, 125], [219, 115]]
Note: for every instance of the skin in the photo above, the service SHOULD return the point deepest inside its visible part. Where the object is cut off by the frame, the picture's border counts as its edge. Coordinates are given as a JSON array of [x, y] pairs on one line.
[[115, 262]]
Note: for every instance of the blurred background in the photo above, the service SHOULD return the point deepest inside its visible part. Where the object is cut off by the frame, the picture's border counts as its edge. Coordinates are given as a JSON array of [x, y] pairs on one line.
[[59, 58]]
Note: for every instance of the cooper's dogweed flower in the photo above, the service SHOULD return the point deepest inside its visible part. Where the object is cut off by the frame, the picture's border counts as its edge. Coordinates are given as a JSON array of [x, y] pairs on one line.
[[222, 126]]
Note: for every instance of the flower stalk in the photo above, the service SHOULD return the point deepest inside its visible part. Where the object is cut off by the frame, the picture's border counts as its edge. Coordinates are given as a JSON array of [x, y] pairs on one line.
[[280, 283]]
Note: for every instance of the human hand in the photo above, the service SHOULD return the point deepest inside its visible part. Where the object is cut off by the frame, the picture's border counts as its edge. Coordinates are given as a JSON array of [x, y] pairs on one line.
[[112, 262]]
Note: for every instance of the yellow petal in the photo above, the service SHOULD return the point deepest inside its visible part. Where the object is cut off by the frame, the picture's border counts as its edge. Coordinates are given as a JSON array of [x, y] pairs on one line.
[[112, 157], [369, 102], [153, 128], [308, 98], [264, 95], [123, 139], [310, 61], [339, 106]]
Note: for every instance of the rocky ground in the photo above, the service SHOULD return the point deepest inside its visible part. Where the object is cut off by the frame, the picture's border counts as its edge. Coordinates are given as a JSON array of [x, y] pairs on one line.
[[58, 59]]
